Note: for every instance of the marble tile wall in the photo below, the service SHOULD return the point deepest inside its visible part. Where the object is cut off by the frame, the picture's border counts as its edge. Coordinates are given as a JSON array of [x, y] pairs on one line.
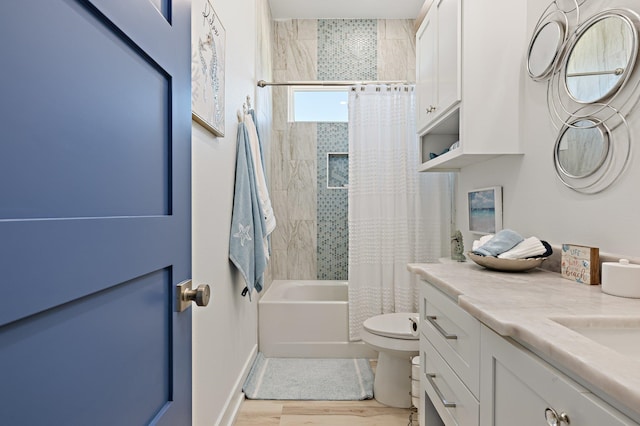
[[293, 156], [311, 239], [396, 45]]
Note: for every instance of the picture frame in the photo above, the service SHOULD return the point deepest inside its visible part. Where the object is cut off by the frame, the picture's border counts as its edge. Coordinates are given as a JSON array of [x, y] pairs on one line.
[[208, 41], [485, 210]]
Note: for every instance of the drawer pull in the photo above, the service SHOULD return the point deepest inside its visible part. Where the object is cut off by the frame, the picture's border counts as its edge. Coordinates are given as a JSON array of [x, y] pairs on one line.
[[432, 320], [430, 377]]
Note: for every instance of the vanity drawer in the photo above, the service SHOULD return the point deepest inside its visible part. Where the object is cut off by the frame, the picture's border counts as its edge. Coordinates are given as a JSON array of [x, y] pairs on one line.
[[453, 332], [450, 397]]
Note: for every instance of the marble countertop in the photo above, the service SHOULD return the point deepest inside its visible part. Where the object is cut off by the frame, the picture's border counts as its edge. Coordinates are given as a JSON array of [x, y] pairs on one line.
[[523, 306]]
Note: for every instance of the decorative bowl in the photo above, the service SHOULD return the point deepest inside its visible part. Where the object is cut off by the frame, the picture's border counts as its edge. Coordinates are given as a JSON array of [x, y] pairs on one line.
[[506, 265]]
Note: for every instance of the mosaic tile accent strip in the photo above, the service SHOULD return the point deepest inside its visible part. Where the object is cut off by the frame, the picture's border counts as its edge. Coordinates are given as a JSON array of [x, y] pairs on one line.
[[347, 49], [333, 233]]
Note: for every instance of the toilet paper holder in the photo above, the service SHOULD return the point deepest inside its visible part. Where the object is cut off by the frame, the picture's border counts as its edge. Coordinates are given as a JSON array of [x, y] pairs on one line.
[[414, 324]]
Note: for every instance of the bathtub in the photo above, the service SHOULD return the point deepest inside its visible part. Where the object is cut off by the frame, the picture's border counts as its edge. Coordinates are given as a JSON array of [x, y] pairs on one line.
[[307, 319]]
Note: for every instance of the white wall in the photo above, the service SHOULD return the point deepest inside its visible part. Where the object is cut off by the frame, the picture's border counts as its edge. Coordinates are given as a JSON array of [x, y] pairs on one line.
[[535, 202], [225, 332]]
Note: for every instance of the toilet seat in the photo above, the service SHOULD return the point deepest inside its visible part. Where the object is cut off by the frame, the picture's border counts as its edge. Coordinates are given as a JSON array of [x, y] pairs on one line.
[[395, 326]]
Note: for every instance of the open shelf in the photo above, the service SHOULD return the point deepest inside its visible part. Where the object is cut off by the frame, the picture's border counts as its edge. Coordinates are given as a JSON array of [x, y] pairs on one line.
[[440, 136]]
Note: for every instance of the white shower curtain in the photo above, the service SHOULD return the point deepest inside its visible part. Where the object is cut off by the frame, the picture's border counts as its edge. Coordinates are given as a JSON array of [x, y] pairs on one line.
[[396, 215]]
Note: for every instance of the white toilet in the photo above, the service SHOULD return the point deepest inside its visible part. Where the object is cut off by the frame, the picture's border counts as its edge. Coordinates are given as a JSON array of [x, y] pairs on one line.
[[390, 335]]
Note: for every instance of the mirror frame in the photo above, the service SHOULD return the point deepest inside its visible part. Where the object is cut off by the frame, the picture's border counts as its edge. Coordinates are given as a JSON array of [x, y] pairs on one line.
[[582, 29], [606, 138], [548, 71]]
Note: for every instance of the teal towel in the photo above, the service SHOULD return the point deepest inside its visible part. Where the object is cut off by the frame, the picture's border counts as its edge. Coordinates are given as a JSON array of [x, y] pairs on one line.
[[248, 230], [503, 241]]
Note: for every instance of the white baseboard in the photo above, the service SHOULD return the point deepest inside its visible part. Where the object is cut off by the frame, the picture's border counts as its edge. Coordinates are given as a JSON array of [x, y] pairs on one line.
[[236, 396]]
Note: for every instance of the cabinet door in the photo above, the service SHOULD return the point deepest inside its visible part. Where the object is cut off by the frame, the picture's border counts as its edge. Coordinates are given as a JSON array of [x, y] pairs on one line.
[[426, 69], [517, 387], [448, 63], [438, 62]]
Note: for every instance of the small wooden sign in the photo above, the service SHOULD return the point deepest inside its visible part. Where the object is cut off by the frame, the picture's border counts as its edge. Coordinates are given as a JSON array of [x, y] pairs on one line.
[[581, 264]]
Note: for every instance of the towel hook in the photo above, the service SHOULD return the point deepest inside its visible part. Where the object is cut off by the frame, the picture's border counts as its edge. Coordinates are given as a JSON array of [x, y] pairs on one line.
[[248, 102]]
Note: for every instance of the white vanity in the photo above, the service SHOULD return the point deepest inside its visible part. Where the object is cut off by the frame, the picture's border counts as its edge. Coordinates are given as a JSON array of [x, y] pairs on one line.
[[525, 349]]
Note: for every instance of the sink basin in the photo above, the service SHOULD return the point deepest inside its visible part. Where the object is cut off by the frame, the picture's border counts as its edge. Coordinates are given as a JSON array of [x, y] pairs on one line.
[[620, 335]]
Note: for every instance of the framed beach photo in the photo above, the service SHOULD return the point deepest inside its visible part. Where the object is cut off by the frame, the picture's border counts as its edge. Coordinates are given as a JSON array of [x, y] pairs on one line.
[[208, 39], [485, 210]]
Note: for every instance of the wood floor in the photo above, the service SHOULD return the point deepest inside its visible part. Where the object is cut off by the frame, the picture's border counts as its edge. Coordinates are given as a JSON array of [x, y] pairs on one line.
[[323, 413]]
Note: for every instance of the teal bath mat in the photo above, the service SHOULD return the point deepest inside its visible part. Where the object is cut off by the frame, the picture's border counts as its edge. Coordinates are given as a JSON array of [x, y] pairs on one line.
[[326, 379]]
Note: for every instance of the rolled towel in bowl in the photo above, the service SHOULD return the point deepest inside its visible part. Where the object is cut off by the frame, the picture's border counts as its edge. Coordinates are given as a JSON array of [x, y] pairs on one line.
[[529, 247], [481, 241], [503, 241], [548, 252]]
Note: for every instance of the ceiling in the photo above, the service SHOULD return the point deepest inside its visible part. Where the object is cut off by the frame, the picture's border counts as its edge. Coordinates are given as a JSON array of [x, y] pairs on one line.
[[344, 9]]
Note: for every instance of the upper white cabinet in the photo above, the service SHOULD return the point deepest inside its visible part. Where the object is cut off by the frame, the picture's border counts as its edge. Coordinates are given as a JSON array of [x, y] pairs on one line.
[[469, 70], [438, 62]]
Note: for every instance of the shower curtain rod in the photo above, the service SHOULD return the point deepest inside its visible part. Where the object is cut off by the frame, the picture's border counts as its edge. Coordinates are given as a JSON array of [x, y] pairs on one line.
[[263, 83]]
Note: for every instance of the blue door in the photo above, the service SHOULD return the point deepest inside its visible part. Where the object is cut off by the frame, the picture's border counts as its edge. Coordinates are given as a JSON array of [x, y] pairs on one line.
[[94, 212]]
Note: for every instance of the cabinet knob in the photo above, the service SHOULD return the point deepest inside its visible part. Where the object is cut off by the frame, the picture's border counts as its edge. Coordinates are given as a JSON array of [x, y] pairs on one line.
[[431, 109], [554, 419]]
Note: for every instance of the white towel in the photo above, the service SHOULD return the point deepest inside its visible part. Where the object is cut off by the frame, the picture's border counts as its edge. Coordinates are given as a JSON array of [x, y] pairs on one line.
[[261, 181], [529, 247]]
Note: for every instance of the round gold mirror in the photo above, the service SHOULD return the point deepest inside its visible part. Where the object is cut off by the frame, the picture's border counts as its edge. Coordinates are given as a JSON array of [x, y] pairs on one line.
[[601, 57]]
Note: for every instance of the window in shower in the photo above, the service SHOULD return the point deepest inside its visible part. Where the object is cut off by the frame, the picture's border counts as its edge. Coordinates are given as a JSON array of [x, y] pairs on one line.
[[318, 104]]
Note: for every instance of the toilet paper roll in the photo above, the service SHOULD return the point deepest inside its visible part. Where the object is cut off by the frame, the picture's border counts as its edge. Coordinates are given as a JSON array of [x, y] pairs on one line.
[[415, 372], [621, 278], [415, 388], [416, 402], [415, 368], [415, 325]]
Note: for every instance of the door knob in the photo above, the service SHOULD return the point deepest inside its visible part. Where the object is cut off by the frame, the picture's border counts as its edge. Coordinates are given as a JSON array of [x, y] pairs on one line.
[[185, 294], [200, 295]]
